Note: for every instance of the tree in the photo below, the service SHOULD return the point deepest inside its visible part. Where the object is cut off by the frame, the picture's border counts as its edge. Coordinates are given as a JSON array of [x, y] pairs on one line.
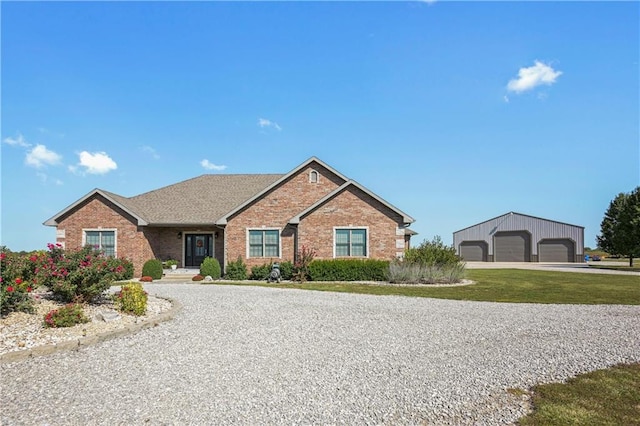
[[620, 228]]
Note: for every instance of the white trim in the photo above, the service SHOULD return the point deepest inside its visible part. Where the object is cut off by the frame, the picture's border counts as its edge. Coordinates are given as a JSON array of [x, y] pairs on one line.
[[264, 228], [313, 172], [351, 228], [115, 237]]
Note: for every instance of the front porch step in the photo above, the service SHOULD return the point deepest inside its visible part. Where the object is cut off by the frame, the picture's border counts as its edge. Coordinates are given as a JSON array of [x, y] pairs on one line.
[[180, 274]]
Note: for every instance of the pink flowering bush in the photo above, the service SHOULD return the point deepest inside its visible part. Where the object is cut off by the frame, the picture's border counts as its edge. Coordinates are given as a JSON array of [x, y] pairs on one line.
[[71, 275], [14, 289], [79, 275]]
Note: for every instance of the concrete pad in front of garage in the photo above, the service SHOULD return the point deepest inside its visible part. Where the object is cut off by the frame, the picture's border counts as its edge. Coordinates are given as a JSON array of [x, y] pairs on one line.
[[560, 267]]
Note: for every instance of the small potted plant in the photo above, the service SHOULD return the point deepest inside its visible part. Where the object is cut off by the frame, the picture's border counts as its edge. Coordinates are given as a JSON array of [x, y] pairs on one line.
[[173, 264]]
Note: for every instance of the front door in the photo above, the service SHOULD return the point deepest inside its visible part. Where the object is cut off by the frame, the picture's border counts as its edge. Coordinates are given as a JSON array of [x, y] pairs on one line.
[[197, 247]]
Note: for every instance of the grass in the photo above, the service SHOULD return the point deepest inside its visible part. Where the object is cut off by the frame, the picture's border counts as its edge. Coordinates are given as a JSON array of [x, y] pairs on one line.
[[634, 268], [502, 285], [603, 397]]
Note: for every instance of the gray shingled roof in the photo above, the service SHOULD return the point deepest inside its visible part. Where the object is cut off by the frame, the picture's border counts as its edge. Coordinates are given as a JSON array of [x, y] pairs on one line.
[[200, 200]]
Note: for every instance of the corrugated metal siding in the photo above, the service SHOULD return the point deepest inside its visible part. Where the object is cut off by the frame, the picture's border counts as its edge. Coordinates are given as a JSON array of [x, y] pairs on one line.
[[539, 228]]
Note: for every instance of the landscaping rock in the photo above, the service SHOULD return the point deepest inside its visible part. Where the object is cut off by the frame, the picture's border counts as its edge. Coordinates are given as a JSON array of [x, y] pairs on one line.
[[108, 316]]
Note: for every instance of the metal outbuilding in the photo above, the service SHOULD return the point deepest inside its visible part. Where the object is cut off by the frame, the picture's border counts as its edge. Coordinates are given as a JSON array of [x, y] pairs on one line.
[[517, 237]]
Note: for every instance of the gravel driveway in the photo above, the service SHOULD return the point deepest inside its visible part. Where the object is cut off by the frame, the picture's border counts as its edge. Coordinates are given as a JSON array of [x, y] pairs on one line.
[[250, 355]]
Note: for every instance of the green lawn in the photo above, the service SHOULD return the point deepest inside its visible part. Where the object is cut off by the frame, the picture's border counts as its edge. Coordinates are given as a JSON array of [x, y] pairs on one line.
[[603, 397], [634, 268], [503, 285]]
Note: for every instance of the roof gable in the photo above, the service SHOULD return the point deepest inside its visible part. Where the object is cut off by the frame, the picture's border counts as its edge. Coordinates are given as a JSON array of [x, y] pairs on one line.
[[118, 200], [223, 219], [296, 219], [518, 214]]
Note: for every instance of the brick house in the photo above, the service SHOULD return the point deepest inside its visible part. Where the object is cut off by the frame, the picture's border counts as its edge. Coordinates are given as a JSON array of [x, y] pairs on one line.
[[259, 217]]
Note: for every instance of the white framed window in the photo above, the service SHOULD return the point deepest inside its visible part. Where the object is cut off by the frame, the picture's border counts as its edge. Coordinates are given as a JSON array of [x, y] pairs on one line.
[[101, 239], [264, 242], [314, 176], [351, 242]]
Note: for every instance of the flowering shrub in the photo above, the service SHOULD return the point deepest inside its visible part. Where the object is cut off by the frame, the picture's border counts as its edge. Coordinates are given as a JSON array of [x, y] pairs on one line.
[[146, 279], [14, 296], [78, 275], [14, 287], [131, 299], [72, 274], [67, 316]]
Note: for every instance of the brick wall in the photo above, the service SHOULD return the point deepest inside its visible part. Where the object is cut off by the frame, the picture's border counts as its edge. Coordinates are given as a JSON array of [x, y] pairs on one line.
[[351, 207], [275, 209], [98, 213]]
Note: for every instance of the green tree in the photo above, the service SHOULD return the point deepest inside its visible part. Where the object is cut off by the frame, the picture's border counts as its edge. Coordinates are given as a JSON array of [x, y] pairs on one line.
[[620, 228]]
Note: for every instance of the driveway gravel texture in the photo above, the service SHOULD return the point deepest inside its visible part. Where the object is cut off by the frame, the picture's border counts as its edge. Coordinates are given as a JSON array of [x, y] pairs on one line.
[[252, 355]]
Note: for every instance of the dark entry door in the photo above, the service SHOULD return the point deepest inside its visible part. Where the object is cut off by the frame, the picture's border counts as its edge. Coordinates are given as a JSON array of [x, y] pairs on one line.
[[197, 247]]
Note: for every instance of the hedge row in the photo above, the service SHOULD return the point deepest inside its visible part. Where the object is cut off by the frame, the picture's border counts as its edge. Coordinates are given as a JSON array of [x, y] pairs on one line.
[[349, 270]]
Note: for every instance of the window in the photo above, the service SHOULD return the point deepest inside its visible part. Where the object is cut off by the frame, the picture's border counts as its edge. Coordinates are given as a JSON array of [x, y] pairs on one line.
[[102, 240], [351, 242], [314, 176], [264, 243]]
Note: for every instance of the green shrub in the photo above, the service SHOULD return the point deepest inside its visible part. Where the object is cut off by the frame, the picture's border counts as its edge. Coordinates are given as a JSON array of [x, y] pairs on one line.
[[131, 299], [66, 316], [262, 272], [236, 270], [349, 270], [152, 268], [211, 267], [430, 253], [432, 262], [286, 270]]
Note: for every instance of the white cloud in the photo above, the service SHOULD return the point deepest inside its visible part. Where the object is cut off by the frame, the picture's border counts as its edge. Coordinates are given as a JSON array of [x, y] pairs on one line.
[[149, 150], [532, 77], [40, 156], [98, 163], [263, 122], [17, 141], [210, 166]]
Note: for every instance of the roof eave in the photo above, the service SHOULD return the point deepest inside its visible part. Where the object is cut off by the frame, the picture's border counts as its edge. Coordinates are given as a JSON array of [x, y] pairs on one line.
[[54, 222]]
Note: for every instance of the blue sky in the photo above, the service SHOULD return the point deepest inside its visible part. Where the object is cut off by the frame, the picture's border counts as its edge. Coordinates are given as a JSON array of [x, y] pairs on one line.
[[455, 112]]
